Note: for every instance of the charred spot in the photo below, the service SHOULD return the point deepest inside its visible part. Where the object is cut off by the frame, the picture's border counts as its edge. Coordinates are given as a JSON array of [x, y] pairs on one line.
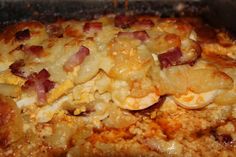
[[22, 35], [224, 139]]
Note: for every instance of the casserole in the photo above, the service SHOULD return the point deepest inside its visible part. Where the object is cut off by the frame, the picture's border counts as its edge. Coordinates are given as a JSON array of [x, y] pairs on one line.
[[117, 85]]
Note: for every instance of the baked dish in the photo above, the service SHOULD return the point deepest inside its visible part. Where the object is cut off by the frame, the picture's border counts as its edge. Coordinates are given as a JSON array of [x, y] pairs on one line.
[[117, 86]]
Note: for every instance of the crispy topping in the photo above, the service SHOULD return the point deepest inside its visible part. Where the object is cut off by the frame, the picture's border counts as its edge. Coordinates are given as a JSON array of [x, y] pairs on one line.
[[22, 35], [76, 59]]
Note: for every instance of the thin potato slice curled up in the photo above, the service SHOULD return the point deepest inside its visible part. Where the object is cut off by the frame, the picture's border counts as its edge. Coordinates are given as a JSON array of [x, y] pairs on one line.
[[179, 79], [122, 96], [195, 101], [88, 69], [131, 103], [203, 80]]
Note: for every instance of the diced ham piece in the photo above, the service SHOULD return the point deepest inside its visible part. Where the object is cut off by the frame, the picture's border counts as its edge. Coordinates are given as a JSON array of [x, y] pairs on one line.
[[40, 83], [140, 35], [92, 26], [48, 85], [22, 35], [170, 58], [147, 23], [33, 50], [123, 21], [41, 92], [76, 59], [43, 75], [16, 68]]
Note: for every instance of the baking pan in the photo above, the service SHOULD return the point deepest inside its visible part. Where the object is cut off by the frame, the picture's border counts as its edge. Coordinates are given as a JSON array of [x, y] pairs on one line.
[[218, 13]]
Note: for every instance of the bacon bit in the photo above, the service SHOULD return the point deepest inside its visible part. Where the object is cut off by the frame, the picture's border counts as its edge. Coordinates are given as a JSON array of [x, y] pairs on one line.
[[40, 83], [147, 23], [33, 50], [123, 21], [43, 74], [76, 59], [89, 26], [22, 35], [41, 92], [16, 68], [48, 84], [55, 30], [170, 58], [141, 35]]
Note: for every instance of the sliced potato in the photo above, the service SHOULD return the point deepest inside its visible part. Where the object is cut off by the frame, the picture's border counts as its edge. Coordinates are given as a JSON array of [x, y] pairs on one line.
[[203, 80], [10, 90]]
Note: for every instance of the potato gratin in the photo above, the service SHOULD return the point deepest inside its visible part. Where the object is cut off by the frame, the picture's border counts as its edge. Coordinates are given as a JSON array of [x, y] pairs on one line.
[[117, 86]]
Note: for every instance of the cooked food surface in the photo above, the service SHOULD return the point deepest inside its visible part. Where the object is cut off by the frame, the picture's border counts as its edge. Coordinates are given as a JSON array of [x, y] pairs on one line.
[[117, 86]]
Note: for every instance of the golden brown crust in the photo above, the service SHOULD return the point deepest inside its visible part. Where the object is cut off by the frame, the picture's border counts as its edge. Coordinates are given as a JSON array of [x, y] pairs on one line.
[[9, 33]]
